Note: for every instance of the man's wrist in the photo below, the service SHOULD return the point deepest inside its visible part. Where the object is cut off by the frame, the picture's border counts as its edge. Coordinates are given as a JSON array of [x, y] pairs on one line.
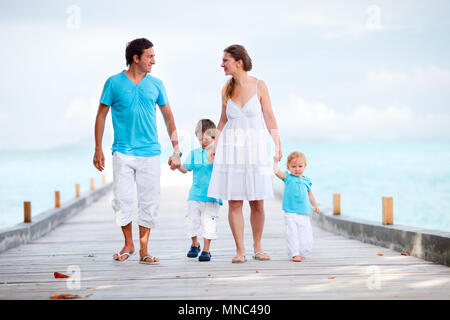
[[178, 154]]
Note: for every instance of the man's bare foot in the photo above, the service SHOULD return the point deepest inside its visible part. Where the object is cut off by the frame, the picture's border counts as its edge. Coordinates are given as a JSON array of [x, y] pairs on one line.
[[123, 257], [298, 259]]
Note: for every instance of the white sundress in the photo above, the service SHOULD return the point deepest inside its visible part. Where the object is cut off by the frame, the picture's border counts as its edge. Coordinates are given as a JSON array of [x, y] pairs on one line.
[[242, 168]]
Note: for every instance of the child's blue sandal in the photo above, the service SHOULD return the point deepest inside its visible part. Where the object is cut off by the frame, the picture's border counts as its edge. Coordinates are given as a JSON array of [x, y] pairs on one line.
[[204, 256], [193, 252]]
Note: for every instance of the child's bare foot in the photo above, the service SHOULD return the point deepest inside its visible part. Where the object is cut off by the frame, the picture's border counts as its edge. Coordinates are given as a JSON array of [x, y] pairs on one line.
[[298, 259]]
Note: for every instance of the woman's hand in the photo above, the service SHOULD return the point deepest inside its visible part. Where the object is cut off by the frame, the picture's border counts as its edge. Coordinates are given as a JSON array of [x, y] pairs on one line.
[[212, 149], [278, 154], [209, 152]]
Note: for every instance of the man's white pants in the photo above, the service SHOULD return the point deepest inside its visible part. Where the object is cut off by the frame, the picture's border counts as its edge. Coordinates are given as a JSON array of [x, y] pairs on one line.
[[201, 218], [299, 236], [142, 174]]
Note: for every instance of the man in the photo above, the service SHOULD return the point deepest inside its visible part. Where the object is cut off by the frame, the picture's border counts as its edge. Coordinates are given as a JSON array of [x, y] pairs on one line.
[[133, 95]]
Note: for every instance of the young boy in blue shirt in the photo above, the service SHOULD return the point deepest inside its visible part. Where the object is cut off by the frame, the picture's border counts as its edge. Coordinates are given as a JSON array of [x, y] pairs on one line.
[[202, 211]]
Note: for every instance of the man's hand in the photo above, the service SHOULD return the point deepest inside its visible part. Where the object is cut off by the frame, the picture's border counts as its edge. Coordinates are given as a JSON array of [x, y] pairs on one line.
[[99, 160], [316, 210], [174, 162]]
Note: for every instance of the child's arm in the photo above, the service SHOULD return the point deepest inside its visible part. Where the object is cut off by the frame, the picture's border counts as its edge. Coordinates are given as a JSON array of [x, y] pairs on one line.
[[313, 201], [278, 173], [183, 169]]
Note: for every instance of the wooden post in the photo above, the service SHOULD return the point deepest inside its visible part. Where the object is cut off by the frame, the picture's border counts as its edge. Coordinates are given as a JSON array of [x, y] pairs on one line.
[[103, 179], [336, 203], [388, 210], [26, 211], [77, 190], [57, 199], [92, 184]]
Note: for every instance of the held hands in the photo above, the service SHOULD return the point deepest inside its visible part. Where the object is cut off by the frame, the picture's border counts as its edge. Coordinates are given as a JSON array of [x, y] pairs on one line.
[[278, 154], [210, 152], [212, 149], [174, 162]]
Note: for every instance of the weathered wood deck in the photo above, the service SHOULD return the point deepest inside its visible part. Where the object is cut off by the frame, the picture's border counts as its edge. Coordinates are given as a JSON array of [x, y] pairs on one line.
[[338, 268]]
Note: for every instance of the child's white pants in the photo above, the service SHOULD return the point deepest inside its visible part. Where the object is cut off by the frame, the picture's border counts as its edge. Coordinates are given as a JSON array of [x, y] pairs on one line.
[[299, 237], [201, 218], [142, 174]]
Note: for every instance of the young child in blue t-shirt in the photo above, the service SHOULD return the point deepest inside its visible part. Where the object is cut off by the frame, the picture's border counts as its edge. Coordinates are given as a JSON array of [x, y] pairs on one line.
[[202, 211], [298, 205]]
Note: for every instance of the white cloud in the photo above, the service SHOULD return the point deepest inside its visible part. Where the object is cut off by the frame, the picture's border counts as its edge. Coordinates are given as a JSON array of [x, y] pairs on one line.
[[346, 18], [418, 80], [315, 120]]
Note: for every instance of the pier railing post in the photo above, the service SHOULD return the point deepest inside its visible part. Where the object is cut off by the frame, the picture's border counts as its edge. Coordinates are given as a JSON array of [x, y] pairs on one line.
[[103, 179], [57, 199], [77, 190], [388, 210], [336, 203], [26, 211], [92, 184]]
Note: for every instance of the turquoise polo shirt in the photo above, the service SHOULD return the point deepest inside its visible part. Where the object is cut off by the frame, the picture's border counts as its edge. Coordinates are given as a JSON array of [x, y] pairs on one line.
[[295, 197], [133, 109], [197, 161]]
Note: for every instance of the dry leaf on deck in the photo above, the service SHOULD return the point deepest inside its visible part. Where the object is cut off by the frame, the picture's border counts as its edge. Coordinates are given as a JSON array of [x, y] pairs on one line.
[[65, 296], [331, 277], [60, 275], [380, 254]]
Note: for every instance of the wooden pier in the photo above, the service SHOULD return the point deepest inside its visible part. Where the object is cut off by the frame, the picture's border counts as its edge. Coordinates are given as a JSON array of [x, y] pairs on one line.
[[338, 268]]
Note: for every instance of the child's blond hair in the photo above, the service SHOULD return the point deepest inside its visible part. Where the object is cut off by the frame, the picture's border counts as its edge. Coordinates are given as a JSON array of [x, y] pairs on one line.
[[295, 155], [205, 126]]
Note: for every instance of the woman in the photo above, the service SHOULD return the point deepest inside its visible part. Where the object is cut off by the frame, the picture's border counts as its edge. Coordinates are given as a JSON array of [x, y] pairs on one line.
[[242, 167]]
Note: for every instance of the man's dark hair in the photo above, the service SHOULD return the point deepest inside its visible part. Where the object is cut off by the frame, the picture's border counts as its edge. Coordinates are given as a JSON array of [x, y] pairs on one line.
[[137, 46]]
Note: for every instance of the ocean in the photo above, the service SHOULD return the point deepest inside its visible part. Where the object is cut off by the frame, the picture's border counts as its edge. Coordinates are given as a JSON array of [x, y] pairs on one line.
[[415, 173]]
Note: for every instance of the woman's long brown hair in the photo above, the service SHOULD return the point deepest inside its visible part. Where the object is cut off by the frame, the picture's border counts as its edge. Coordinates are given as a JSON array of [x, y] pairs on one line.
[[238, 52]]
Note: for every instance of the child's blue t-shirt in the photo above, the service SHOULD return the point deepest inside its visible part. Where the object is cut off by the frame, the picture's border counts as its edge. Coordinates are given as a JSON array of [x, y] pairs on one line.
[[133, 109], [197, 161], [295, 197]]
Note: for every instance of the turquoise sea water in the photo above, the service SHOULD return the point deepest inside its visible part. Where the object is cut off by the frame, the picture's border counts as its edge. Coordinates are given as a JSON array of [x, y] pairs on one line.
[[34, 175], [415, 173]]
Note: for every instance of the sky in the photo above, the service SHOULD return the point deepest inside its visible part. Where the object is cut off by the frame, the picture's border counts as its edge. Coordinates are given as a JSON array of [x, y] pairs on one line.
[[336, 70]]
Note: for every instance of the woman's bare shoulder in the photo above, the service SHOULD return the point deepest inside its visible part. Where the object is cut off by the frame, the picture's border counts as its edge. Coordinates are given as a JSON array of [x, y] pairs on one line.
[[261, 83], [262, 88]]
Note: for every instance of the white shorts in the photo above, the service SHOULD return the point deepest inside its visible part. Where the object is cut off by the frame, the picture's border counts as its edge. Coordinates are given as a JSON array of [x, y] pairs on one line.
[[142, 174], [299, 238], [201, 218]]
